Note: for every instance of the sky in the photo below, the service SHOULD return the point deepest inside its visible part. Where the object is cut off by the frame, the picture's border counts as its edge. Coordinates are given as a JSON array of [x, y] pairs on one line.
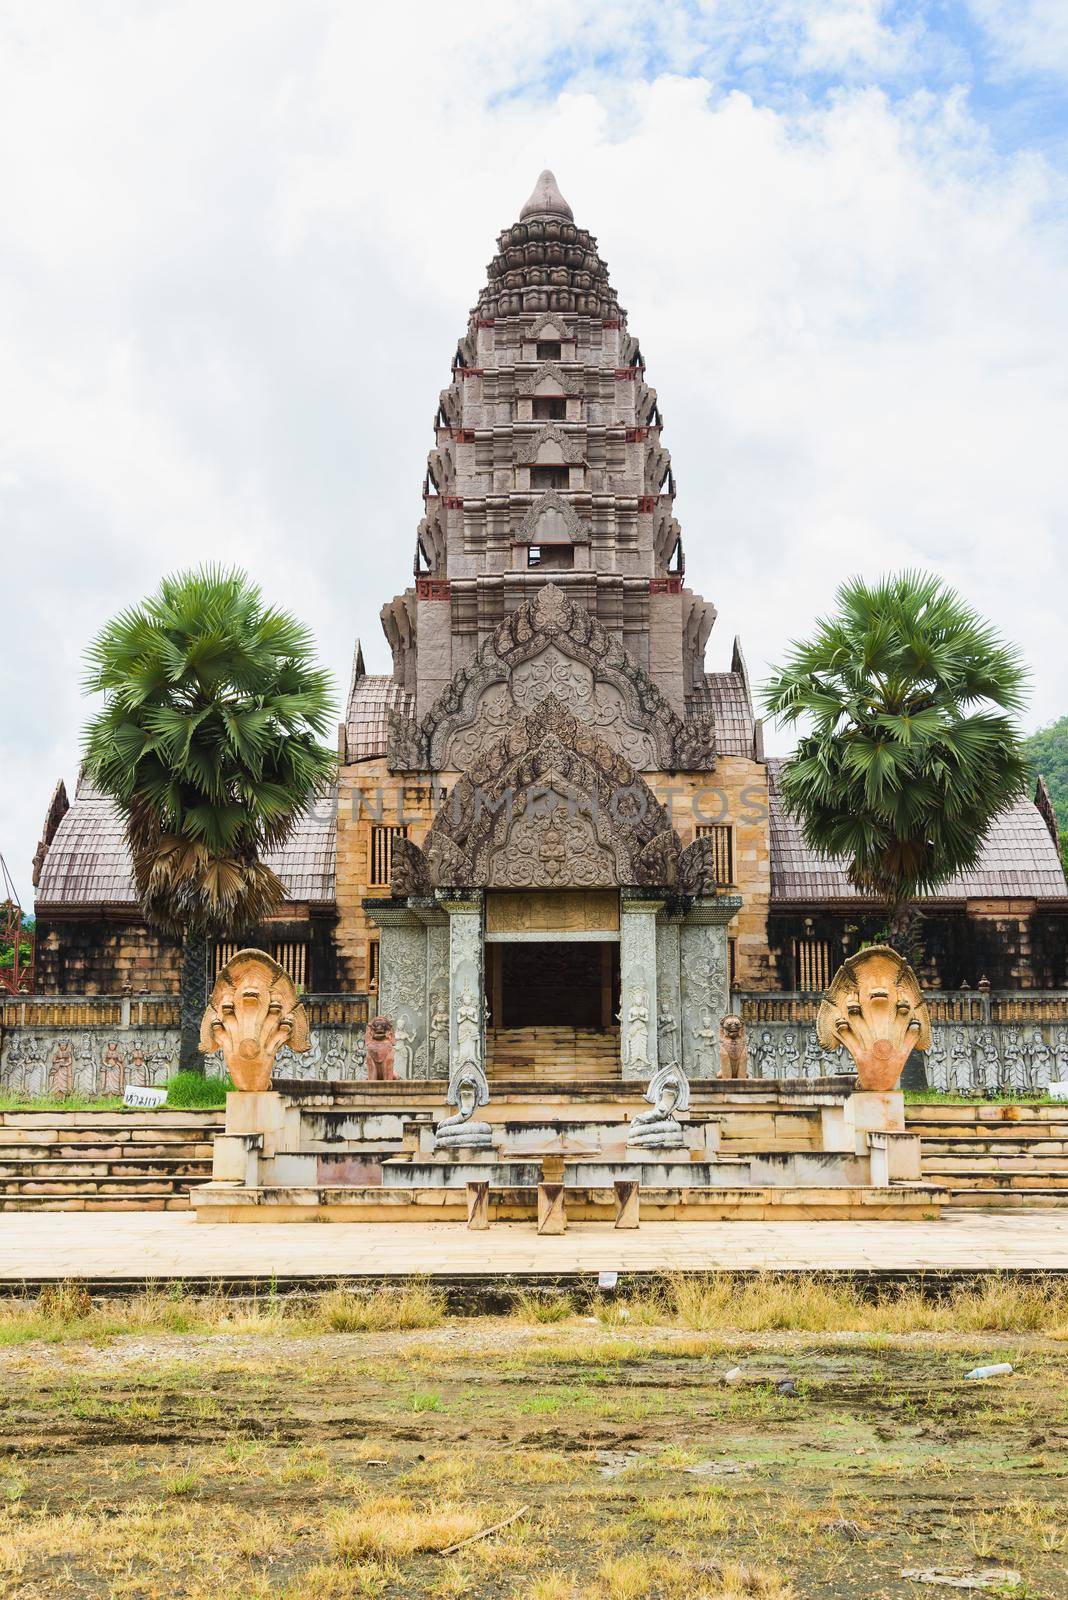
[[239, 240]]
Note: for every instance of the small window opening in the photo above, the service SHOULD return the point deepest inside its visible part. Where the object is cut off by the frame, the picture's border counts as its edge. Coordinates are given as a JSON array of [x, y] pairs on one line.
[[549, 408], [549, 476], [551, 555], [549, 349]]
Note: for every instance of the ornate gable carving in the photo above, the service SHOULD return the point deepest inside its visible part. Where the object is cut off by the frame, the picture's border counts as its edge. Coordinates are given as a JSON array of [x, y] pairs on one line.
[[528, 384], [550, 645], [549, 319], [527, 531], [570, 446], [549, 804]]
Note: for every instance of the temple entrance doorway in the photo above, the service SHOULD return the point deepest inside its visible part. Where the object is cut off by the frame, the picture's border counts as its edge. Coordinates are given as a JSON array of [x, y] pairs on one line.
[[552, 984]]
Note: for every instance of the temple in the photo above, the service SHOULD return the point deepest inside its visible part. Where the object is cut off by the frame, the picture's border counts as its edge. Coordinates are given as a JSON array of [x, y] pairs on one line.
[[551, 816]]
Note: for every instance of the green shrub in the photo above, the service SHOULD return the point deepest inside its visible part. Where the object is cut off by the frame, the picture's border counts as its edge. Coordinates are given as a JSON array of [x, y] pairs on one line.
[[192, 1089]]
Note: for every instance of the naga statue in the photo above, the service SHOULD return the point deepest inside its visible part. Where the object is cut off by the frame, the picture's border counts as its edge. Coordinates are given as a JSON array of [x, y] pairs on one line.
[[875, 1007], [253, 1011], [659, 1129]]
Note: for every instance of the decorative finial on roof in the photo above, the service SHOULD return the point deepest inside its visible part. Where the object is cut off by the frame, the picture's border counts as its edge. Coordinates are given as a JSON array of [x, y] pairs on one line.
[[546, 200]]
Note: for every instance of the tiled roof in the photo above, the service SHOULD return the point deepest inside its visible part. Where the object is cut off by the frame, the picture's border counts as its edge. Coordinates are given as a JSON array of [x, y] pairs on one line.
[[88, 863], [725, 695], [1019, 860], [373, 698]]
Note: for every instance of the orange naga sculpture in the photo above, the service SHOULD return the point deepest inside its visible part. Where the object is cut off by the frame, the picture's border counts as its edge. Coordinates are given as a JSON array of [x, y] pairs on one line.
[[253, 1011], [875, 1007]]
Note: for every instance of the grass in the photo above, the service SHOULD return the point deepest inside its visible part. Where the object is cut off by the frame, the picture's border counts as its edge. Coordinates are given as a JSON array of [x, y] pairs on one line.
[[393, 1525], [51, 1102], [197, 1091], [941, 1097], [706, 1305]]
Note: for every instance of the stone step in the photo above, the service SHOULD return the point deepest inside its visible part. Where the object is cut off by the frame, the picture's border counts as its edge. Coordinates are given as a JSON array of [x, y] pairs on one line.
[[1027, 1144], [988, 1116], [995, 1180], [91, 1167], [106, 1151], [69, 1120], [142, 1202], [999, 1162], [1007, 1199], [93, 1188]]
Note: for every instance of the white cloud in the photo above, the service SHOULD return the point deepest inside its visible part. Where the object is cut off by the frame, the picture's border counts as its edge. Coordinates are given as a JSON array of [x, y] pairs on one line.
[[238, 244]]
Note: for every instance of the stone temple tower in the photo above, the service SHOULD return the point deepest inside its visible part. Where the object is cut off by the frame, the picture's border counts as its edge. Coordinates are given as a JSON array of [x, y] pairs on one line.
[[581, 801], [548, 463]]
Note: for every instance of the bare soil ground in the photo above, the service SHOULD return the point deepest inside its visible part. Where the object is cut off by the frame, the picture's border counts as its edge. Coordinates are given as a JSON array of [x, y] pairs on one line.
[[255, 1464]]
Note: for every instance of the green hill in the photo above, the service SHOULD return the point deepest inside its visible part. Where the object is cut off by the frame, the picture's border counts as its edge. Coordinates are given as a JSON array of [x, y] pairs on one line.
[[1048, 750]]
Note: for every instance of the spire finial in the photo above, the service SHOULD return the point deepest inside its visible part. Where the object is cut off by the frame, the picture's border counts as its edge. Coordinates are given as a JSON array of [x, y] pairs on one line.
[[546, 200]]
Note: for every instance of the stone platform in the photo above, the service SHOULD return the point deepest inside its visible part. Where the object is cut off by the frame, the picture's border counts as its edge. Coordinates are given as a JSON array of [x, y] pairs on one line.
[[123, 1252]]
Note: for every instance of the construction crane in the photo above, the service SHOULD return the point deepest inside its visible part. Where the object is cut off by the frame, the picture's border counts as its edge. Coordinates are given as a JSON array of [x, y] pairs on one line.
[[18, 977]]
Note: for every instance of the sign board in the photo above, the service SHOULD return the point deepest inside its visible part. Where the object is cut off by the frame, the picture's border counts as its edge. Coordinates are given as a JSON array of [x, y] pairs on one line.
[[144, 1099]]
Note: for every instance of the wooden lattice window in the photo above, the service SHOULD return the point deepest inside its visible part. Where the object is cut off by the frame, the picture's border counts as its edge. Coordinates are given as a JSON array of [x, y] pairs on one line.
[[292, 957], [722, 836], [372, 965], [812, 964], [224, 951], [382, 839]]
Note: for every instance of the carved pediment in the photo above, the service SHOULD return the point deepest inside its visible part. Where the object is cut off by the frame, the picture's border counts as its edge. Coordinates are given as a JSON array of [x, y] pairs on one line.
[[549, 319], [570, 446], [527, 531], [532, 381], [551, 645], [550, 804]]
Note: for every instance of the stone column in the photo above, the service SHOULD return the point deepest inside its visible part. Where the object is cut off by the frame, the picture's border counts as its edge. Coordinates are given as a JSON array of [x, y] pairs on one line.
[[704, 981], [637, 984], [465, 964], [402, 996]]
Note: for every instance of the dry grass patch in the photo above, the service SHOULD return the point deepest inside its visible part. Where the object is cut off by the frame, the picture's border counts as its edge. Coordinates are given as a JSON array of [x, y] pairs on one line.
[[394, 1526]]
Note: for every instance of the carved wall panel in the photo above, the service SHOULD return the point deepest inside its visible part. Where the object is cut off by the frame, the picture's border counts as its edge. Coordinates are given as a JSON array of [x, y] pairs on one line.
[[668, 994], [402, 995], [551, 848], [705, 995], [637, 990], [467, 1012]]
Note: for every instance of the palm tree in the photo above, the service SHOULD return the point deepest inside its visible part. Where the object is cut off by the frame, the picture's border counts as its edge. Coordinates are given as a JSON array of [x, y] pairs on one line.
[[208, 743], [911, 749]]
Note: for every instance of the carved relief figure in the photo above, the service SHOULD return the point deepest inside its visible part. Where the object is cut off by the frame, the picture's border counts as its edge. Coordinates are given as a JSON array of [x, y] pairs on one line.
[[1060, 1052], [379, 1049], [705, 1042], [468, 1030], [733, 1048], [766, 1056], [61, 1071], [875, 1008], [402, 1054], [439, 1036], [961, 1069], [1039, 1061], [112, 1078], [667, 1030], [252, 1012], [637, 1031], [1014, 1066]]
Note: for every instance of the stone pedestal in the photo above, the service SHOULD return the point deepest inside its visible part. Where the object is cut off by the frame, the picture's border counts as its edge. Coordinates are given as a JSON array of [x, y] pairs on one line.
[[552, 1218], [627, 1203], [478, 1205], [637, 984]]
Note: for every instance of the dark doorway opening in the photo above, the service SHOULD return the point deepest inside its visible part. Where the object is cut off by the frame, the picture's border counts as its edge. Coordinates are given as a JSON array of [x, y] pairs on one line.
[[557, 984]]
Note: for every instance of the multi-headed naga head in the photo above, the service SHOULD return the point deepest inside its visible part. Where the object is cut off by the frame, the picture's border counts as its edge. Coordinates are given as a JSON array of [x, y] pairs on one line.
[[875, 1007], [253, 1011]]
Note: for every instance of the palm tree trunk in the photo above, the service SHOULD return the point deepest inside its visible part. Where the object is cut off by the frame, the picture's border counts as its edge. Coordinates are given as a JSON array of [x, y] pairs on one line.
[[194, 1000]]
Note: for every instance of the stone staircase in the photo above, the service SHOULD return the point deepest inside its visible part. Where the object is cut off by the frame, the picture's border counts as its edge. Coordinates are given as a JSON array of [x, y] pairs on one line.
[[554, 1055], [104, 1161], [994, 1155]]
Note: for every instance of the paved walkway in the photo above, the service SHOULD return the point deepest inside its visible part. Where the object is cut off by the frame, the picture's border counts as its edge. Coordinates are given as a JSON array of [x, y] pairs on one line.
[[159, 1245]]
